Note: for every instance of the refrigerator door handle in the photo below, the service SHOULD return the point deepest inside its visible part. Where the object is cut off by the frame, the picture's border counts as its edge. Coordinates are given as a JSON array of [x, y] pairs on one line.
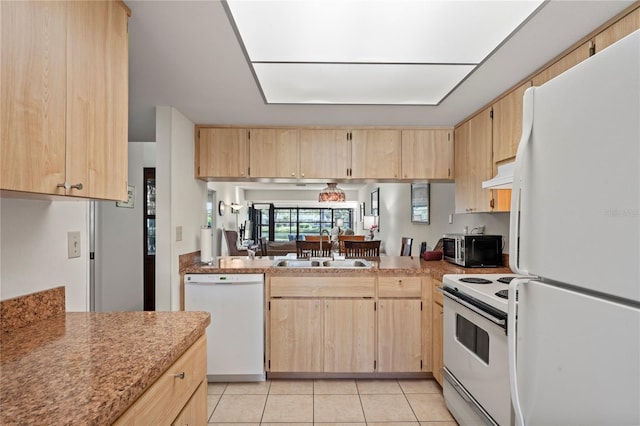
[[511, 344], [514, 231]]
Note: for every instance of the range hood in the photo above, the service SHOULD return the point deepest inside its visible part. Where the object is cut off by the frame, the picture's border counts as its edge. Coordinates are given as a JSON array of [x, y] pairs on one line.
[[503, 179]]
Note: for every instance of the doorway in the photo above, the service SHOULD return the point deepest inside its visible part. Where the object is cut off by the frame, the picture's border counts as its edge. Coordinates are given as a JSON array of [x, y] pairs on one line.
[[149, 241]]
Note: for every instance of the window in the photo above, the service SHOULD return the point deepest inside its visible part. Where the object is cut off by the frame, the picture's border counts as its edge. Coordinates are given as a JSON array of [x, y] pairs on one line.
[[289, 223]]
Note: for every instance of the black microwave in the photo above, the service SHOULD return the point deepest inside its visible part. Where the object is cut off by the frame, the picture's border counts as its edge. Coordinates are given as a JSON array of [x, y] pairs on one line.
[[473, 250]]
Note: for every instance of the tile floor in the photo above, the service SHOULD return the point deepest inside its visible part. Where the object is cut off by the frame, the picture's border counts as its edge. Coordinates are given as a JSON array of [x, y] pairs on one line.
[[328, 402]]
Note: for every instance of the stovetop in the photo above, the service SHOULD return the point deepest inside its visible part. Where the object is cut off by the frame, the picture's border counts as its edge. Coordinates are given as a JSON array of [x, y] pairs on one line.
[[486, 291]]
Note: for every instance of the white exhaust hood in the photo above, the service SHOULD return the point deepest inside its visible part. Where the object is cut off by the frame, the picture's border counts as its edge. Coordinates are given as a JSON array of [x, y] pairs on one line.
[[503, 179]]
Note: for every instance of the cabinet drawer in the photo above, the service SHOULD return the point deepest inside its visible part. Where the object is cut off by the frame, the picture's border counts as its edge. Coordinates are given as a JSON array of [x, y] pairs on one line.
[[165, 399], [326, 286], [399, 287], [437, 294]]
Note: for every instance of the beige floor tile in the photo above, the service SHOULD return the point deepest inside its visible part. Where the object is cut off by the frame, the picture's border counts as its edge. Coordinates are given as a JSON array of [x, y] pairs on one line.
[[251, 388], [335, 387], [212, 401], [216, 388], [378, 386], [452, 423], [291, 387], [337, 408], [340, 424], [239, 408], [386, 408], [393, 424], [420, 386], [233, 424], [429, 407], [288, 408], [283, 424]]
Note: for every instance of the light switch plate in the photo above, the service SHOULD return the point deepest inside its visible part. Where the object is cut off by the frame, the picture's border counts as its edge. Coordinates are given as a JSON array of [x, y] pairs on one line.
[[178, 233], [73, 244]]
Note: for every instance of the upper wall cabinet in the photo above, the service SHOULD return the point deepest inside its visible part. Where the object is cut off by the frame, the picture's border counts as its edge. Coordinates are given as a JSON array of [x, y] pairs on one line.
[[507, 124], [324, 153], [221, 152], [65, 98], [473, 163], [427, 154], [375, 154], [273, 153], [569, 60], [618, 30]]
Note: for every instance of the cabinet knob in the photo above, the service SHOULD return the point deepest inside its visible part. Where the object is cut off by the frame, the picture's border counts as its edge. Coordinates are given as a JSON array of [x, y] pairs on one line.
[[179, 375], [293, 174]]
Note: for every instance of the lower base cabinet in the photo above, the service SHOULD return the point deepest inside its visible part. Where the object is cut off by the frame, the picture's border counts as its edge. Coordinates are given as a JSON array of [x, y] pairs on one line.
[[436, 321], [399, 335], [179, 396]]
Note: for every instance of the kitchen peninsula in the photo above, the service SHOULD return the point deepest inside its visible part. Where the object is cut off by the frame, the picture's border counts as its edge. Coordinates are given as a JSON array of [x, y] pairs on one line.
[[97, 368]]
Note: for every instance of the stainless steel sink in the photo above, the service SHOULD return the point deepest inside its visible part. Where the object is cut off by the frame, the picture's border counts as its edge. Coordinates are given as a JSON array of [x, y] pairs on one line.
[[322, 263], [347, 263]]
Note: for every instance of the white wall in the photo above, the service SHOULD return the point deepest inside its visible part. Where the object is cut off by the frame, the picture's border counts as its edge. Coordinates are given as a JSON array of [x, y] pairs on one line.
[[395, 216], [119, 241], [33, 249], [180, 202]]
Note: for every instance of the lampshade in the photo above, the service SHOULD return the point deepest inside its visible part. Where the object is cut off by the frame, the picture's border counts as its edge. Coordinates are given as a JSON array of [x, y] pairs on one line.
[[339, 223], [331, 193]]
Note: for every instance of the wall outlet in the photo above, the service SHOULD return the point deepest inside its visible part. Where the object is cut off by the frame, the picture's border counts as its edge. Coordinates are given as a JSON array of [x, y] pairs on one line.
[[73, 244], [178, 233]]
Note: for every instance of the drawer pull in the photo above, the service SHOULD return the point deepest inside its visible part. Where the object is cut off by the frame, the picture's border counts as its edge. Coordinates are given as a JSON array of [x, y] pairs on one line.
[[179, 375]]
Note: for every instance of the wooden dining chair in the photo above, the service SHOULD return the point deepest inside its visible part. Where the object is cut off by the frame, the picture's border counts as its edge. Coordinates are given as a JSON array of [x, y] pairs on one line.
[[343, 238], [306, 249], [316, 238], [360, 249], [405, 247]]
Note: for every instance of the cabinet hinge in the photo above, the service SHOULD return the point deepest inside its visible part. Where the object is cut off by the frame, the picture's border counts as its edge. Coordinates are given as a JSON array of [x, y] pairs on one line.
[[491, 203], [420, 364], [375, 306], [249, 134], [491, 114], [248, 171], [592, 48], [449, 172], [421, 309], [269, 305], [269, 364], [198, 134], [374, 365], [198, 170], [449, 136]]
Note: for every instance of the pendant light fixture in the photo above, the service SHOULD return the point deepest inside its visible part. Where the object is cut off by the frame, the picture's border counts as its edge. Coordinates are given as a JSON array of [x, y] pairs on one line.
[[331, 193]]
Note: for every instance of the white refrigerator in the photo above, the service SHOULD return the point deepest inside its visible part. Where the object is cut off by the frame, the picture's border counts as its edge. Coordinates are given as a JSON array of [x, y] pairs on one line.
[[574, 349]]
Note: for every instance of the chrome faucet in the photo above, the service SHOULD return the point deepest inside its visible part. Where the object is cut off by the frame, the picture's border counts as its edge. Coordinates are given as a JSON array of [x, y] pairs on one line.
[[322, 231]]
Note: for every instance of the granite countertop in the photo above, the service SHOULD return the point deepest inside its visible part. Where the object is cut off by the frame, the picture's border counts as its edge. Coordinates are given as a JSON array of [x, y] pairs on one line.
[[384, 264], [87, 367]]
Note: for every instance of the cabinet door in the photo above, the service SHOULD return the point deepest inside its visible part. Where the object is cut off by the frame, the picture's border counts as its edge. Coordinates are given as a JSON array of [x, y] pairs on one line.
[[427, 154], [618, 30], [569, 60], [507, 124], [273, 153], [461, 157], [399, 335], [33, 110], [195, 412], [375, 154], [222, 152], [324, 153], [437, 342], [296, 335], [349, 327], [97, 99]]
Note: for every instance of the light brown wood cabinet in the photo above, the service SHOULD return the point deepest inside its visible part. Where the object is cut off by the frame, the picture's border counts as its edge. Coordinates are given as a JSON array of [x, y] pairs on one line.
[[375, 154], [273, 153], [324, 153], [623, 27], [427, 154], [507, 124], [399, 335], [569, 60], [436, 325], [221, 152], [473, 163], [179, 394], [65, 98]]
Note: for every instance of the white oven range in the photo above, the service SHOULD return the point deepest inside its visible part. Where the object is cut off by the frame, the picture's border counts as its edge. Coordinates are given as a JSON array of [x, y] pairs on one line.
[[476, 378]]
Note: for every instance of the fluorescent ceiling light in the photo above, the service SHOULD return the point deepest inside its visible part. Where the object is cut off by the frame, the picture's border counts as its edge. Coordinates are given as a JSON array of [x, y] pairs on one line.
[[370, 52]]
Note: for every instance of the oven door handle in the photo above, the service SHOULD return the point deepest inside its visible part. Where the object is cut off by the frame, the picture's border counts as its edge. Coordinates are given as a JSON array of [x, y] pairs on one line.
[[498, 321]]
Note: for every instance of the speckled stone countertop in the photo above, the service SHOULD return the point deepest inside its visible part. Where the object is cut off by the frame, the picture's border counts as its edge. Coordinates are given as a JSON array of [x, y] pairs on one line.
[[87, 368], [384, 265]]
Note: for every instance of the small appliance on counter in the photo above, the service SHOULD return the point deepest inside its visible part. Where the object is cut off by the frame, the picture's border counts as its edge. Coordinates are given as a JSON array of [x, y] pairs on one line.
[[473, 250]]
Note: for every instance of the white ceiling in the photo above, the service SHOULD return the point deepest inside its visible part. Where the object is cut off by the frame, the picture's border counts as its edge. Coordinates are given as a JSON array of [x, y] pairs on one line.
[[185, 54]]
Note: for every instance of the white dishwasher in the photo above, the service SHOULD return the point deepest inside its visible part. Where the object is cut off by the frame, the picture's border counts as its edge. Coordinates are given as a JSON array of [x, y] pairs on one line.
[[235, 337]]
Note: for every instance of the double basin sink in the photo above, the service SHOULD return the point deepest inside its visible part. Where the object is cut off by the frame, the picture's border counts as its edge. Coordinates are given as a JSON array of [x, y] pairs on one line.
[[322, 263]]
